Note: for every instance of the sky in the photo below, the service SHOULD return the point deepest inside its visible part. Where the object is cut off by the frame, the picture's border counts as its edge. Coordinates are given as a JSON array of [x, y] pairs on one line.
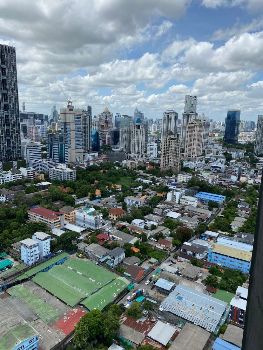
[[147, 54]]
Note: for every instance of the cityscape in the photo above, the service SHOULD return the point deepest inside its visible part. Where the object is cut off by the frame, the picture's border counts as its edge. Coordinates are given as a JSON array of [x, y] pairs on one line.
[[137, 223]]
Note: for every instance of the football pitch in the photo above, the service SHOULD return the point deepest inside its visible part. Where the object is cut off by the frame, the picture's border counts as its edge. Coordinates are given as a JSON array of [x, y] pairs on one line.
[[105, 295], [76, 280]]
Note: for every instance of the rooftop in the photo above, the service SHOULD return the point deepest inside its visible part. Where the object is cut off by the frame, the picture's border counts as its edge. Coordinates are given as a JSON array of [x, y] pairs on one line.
[[232, 252], [191, 337], [29, 242], [41, 235], [44, 212], [162, 332], [239, 303], [164, 284], [221, 344], [234, 335]]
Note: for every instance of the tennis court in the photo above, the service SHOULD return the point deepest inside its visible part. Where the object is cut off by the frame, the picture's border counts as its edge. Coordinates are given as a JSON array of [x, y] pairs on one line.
[[44, 311], [106, 295]]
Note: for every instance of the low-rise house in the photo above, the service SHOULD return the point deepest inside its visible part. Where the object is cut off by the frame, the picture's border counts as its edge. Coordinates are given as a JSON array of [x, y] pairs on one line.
[[192, 250], [164, 244], [162, 333], [132, 260], [135, 331], [190, 222], [115, 257], [122, 237], [164, 286], [116, 213], [160, 230], [189, 200], [136, 273], [94, 251]]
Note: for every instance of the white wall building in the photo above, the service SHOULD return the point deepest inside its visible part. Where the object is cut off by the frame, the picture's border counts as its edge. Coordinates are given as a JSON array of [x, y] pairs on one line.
[[152, 150], [62, 173], [88, 218], [43, 240], [189, 200], [29, 251]]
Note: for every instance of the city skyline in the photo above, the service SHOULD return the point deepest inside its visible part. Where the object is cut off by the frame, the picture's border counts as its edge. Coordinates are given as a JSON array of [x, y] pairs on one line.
[[144, 56]]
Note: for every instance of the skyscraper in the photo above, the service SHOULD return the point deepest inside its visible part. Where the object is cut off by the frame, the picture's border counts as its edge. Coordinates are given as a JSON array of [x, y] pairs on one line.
[[76, 130], [194, 139], [10, 143], [232, 126], [259, 137], [57, 148], [170, 144], [105, 126]]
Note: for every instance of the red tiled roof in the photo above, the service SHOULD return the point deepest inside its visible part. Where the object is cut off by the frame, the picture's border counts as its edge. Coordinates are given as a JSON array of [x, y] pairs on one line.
[[143, 327], [136, 272], [46, 213], [117, 211], [165, 242], [102, 237]]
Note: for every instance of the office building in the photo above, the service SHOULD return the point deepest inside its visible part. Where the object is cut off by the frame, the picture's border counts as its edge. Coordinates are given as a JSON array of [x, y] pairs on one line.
[[259, 137], [125, 133], [29, 251], [170, 143], [43, 240], [232, 127], [88, 218], [31, 152], [76, 130], [62, 173], [10, 144], [56, 146], [95, 141], [105, 126], [138, 117], [189, 113], [138, 138]]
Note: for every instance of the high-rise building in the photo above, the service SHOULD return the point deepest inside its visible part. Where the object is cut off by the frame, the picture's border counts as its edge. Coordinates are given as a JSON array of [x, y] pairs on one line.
[[170, 143], [32, 152], [10, 144], [259, 137], [105, 127], [125, 133], [232, 126], [76, 130], [138, 117], [194, 139], [57, 147], [138, 139]]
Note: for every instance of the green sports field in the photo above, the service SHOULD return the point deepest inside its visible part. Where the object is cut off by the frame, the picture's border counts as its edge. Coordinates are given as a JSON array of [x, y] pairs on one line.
[[46, 312], [106, 295], [77, 279], [224, 295], [40, 267]]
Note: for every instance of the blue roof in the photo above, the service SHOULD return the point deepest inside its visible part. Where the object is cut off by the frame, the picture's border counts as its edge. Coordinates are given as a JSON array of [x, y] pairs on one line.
[[164, 284], [210, 196], [221, 344]]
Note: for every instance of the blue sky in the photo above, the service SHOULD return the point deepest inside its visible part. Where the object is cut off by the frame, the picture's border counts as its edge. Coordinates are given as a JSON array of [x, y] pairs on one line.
[[146, 54]]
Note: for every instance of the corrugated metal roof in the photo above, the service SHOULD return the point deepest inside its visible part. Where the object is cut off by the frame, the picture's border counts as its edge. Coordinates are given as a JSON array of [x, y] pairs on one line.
[[162, 332], [232, 252], [164, 284], [221, 344]]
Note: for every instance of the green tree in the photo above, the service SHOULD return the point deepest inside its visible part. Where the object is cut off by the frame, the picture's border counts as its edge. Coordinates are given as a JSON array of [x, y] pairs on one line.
[[89, 330], [211, 281], [183, 233], [135, 310], [170, 223]]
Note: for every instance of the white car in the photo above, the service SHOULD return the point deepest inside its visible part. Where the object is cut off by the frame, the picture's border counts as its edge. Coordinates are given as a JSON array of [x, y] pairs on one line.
[[147, 282]]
